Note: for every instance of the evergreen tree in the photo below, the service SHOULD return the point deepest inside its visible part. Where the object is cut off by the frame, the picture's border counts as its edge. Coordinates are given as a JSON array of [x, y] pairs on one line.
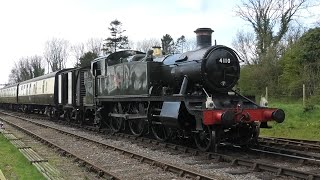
[[86, 59], [117, 40], [167, 44]]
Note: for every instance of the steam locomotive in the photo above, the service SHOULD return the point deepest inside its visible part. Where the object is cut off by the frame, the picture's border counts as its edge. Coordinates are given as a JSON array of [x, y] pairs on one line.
[[187, 95]]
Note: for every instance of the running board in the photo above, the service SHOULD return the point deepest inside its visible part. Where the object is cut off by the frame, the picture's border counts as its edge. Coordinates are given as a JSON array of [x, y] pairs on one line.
[[128, 116]]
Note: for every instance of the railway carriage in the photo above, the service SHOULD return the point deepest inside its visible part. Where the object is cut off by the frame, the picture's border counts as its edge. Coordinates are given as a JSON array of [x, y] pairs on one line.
[[47, 93], [38, 93], [8, 96]]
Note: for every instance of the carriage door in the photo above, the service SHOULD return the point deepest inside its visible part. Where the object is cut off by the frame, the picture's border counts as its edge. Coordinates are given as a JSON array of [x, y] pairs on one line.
[[70, 88], [60, 89]]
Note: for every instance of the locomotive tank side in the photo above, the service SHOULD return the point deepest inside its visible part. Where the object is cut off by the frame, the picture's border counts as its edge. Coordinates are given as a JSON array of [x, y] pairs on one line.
[[124, 73]]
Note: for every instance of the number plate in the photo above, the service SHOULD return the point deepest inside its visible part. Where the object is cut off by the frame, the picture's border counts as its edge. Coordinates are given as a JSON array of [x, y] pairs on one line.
[[224, 60]]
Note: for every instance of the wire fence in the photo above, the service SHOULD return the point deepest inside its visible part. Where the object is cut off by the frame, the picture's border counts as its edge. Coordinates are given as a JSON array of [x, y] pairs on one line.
[[303, 96]]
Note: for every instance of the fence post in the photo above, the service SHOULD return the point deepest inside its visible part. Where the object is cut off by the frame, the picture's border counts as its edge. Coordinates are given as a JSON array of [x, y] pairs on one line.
[[266, 93], [303, 95]]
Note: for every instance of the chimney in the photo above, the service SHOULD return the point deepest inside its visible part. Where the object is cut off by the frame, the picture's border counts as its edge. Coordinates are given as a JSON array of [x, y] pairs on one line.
[[203, 37]]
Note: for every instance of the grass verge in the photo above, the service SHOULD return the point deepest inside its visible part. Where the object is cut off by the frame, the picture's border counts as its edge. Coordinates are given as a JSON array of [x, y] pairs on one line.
[[298, 123], [14, 165]]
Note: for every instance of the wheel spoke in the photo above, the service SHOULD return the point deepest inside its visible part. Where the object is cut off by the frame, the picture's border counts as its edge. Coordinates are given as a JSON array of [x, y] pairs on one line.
[[160, 132], [204, 140], [137, 127], [116, 123]]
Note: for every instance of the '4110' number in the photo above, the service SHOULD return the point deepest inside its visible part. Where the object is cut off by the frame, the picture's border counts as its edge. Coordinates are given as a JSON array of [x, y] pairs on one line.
[[225, 60]]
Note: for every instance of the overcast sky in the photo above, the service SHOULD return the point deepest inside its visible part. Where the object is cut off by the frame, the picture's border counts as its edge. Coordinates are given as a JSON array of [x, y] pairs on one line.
[[27, 24]]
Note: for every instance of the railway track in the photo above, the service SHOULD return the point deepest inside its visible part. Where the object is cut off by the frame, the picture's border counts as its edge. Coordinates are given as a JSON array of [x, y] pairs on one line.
[[234, 160], [301, 157], [301, 145], [230, 160], [134, 164], [296, 141]]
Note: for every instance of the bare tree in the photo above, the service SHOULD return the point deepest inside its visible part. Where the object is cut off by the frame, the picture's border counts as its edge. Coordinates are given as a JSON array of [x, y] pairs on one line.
[[147, 44], [26, 68], [291, 37], [131, 45], [13, 76], [245, 45], [56, 53], [37, 66], [78, 51], [20, 72], [25, 71], [190, 44], [270, 20], [180, 44], [94, 45]]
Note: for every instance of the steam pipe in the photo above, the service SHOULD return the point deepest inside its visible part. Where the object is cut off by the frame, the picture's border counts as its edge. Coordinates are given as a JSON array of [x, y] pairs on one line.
[[184, 85]]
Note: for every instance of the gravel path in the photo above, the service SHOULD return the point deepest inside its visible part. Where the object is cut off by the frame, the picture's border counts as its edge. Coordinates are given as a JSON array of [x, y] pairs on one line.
[[68, 169]]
